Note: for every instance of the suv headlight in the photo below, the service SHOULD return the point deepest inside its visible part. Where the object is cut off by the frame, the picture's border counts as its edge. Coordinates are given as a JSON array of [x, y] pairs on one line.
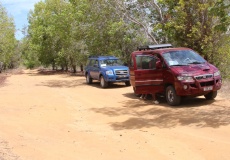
[[185, 78], [110, 72], [217, 73]]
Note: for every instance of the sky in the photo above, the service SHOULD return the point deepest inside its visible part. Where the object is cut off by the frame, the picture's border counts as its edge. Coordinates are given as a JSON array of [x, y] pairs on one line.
[[19, 9]]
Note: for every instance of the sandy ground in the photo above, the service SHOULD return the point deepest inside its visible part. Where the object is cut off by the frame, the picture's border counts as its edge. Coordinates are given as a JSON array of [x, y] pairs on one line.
[[60, 117]]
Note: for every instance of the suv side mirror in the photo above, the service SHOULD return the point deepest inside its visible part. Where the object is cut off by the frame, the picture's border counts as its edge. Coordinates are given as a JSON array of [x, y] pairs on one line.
[[158, 64]]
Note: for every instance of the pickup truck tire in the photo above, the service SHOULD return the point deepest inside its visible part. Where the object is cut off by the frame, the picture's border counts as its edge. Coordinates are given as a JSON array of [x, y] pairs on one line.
[[172, 98], [88, 79], [211, 95], [103, 83], [127, 83]]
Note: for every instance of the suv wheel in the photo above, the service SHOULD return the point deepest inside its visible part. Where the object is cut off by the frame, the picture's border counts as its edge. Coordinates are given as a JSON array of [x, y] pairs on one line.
[[103, 83], [172, 98], [211, 95], [127, 83], [88, 79]]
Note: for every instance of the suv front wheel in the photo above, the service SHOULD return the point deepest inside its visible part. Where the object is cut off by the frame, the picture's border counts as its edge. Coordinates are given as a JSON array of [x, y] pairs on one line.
[[103, 83], [172, 98], [88, 79], [211, 95], [127, 83]]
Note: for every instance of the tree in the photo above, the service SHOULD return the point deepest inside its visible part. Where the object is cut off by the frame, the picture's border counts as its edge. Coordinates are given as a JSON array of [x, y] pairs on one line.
[[105, 30], [54, 27], [198, 24], [7, 40]]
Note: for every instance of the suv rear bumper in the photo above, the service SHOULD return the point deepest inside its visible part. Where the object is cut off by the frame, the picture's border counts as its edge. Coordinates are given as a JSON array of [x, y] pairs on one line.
[[198, 87]]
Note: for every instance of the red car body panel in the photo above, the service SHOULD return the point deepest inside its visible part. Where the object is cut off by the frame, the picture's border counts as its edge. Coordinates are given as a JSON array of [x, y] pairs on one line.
[[152, 81]]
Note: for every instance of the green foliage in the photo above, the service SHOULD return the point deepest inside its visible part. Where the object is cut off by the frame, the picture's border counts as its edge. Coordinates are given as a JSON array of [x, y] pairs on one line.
[[195, 24], [223, 57], [64, 33], [7, 40], [29, 53], [106, 31]]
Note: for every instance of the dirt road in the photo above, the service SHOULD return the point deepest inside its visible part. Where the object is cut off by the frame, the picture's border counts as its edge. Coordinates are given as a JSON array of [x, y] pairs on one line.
[[60, 117]]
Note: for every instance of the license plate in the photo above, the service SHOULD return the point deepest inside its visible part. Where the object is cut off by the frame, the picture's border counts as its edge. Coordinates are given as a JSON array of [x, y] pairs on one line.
[[208, 88], [122, 76]]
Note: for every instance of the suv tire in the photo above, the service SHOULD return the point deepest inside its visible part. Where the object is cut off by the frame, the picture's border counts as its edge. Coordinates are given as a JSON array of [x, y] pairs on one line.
[[103, 83], [211, 95], [172, 98], [127, 83], [88, 79]]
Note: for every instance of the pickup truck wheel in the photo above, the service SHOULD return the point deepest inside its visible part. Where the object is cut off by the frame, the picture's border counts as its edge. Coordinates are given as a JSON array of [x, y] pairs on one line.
[[103, 83], [88, 79], [127, 83], [211, 95], [172, 98]]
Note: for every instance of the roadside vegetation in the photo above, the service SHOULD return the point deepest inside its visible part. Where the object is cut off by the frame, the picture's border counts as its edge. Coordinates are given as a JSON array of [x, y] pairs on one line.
[[9, 55], [62, 33]]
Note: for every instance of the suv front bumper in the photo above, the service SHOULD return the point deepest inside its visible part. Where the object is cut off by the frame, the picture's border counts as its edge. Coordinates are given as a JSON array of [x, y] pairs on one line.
[[198, 88], [113, 78]]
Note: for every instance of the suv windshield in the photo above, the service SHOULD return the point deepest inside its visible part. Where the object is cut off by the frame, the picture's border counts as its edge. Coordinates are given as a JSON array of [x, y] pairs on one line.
[[182, 57], [111, 62]]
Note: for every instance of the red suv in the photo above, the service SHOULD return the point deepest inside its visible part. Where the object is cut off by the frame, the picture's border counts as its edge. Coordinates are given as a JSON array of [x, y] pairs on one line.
[[173, 73]]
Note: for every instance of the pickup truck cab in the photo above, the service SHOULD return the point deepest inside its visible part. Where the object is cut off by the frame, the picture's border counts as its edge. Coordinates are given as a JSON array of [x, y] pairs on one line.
[[106, 69], [173, 73]]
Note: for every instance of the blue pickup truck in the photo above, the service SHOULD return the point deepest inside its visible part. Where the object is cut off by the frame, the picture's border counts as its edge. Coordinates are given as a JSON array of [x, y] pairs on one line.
[[106, 69]]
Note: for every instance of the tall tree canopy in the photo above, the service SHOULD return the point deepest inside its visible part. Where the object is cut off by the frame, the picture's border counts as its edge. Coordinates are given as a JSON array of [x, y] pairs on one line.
[[7, 39], [198, 24], [64, 32]]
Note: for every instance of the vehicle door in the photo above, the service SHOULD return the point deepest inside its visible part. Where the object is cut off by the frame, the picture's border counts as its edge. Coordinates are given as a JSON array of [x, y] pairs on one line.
[[148, 76], [95, 69]]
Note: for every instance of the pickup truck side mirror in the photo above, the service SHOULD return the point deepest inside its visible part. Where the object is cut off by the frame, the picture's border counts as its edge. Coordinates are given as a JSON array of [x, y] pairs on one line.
[[158, 64]]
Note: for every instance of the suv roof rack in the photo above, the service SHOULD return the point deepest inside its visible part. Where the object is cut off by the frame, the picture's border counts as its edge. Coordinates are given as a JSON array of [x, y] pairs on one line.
[[152, 47]]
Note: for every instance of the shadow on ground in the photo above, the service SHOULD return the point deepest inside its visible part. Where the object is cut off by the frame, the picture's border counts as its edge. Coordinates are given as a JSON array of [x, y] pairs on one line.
[[69, 83], [48, 72], [62, 83], [111, 86], [144, 114]]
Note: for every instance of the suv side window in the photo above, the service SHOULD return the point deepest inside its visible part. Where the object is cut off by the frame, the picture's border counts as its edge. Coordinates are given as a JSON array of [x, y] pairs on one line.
[[88, 62], [146, 62], [93, 62]]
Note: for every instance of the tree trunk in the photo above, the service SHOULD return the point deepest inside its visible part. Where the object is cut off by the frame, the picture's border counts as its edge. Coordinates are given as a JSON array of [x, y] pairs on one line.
[[74, 68], [53, 65]]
